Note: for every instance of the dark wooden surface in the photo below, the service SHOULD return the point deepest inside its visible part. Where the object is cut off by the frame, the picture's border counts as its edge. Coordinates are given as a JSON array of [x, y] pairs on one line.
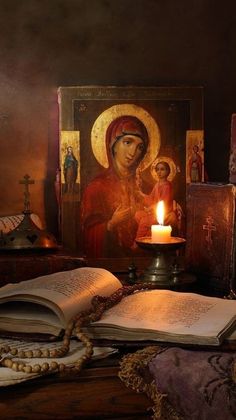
[[95, 393], [17, 266]]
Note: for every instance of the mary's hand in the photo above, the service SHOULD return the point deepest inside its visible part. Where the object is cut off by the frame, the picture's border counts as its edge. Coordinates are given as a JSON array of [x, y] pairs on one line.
[[120, 215]]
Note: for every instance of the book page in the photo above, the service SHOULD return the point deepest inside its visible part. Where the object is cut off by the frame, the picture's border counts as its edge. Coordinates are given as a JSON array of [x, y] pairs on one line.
[[70, 291], [171, 312], [10, 377]]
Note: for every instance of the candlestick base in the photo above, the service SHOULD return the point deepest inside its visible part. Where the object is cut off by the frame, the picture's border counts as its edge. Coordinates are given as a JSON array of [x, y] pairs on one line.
[[164, 269]]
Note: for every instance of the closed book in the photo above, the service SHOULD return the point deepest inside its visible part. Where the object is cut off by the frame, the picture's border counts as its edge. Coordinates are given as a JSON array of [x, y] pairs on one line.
[[232, 156], [210, 236]]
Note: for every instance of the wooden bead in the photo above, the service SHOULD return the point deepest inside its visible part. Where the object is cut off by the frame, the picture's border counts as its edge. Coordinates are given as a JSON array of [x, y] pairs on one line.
[[90, 345], [53, 365], [59, 353], [36, 368], [29, 354], [45, 367], [66, 341], [21, 366], [78, 365], [37, 353], [15, 366], [89, 350], [27, 369], [61, 367], [70, 326], [8, 363], [53, 353]]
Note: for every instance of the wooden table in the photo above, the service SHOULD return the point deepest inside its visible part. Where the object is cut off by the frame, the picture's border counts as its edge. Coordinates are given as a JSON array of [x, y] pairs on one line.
[[95, 393], [18, 266]]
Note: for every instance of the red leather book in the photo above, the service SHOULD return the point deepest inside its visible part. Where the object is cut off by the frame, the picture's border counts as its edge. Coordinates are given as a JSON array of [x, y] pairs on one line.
[[232, 158], [210, 236]]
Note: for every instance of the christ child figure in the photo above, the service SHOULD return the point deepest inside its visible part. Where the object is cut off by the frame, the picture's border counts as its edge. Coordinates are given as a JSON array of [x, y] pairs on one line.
[[162, 190]]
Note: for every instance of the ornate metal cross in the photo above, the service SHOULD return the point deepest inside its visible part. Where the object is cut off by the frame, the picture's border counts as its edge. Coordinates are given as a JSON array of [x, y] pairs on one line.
[[209, 227], [26, 182]]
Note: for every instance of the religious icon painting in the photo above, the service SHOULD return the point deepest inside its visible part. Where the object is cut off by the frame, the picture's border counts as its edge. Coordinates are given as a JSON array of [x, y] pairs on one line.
[[70, 165], [127, 153], [194, 156]]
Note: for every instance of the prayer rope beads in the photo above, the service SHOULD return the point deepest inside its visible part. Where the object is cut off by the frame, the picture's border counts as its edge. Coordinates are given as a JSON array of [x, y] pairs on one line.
[[98, 305]]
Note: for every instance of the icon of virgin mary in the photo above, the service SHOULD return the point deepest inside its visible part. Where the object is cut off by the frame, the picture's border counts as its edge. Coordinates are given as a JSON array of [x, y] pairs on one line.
[[111, 200]]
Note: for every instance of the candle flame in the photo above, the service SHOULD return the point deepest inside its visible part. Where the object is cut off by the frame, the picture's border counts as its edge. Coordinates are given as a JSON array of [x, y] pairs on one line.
[[160, 210]]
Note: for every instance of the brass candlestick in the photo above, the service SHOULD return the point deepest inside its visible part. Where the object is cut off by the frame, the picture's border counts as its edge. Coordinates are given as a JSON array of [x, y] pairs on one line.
[[164, 270]]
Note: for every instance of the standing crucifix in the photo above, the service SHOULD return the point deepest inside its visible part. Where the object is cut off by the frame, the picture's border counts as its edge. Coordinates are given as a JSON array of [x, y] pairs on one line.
[[26, 182], [209, 227]]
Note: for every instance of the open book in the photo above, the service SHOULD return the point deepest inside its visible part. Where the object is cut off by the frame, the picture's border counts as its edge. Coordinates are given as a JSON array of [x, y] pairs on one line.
[[45, 305]]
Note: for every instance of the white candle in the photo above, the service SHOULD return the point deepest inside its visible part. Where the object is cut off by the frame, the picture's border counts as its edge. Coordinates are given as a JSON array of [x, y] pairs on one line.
[[160, 233]]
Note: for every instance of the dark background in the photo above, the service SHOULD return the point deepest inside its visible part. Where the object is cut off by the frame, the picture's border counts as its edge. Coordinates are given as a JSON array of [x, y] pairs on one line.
[[45, 44]]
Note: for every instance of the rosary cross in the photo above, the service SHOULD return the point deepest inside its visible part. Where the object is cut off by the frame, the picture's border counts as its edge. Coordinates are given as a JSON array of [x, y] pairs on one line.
[[26, 182]]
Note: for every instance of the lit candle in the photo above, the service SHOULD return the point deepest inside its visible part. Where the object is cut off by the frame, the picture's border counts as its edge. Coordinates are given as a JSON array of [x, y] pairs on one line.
[[160, 233]]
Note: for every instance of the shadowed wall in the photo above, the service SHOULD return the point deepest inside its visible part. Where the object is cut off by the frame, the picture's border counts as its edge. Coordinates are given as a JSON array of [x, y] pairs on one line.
[[46, 44]]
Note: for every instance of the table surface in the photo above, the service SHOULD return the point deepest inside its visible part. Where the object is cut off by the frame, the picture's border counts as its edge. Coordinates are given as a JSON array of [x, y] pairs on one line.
[[95, 393]]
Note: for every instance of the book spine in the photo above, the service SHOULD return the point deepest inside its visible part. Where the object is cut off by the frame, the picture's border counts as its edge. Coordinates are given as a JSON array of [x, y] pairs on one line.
[[232, 158]]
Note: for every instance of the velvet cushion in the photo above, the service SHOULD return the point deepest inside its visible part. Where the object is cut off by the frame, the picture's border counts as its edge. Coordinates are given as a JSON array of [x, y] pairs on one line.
[[198, 384]]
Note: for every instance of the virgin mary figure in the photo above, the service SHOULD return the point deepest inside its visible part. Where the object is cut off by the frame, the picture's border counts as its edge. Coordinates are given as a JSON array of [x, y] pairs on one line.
[[111, 200]]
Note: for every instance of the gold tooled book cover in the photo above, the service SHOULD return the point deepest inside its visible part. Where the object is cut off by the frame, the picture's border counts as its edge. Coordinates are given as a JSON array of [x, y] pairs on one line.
[[210, 236]]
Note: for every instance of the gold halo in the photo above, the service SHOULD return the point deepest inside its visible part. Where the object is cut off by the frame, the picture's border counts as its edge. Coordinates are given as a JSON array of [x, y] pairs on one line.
[[172, 165], [98, 133]]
